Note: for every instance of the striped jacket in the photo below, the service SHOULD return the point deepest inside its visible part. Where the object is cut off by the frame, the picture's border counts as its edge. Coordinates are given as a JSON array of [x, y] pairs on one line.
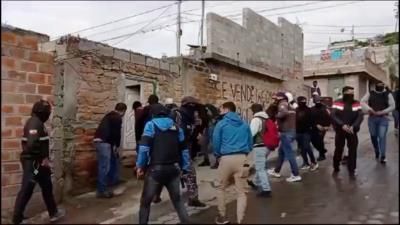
[[346, 114], [35, 140]]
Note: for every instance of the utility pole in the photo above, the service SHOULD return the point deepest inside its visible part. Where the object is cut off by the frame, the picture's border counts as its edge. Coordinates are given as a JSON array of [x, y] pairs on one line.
[[352, 32], [179, 31], [202, 26]]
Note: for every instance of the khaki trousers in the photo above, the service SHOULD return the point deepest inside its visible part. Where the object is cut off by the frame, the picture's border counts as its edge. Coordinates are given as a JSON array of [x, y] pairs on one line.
[[231, 168]]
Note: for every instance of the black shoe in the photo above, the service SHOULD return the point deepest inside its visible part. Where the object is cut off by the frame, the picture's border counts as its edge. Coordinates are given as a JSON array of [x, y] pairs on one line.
[[252, 185], [157, 199], [221, 220], [196, 203], [106, 194], [264, 194], [321, 158], [60, 214], [204, 163], [383, 160]]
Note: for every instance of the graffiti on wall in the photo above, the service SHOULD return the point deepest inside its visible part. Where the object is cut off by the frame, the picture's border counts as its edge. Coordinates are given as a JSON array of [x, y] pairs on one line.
[[244, 95], [331, 55]]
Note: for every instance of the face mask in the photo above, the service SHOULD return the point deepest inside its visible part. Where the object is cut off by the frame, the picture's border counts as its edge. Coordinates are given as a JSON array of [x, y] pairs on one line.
[[302, 104], [348, 97], [379, 88]]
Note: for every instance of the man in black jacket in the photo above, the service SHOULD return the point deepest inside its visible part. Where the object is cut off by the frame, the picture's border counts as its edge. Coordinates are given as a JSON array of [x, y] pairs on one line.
[[321, 122], [107, 140], [35, 164], [347, 117]]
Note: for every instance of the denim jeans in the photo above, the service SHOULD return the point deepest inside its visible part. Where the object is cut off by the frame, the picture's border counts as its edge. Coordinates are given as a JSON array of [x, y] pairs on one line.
[[107, 166], [286, 152], [378, 127], [395, 114], [260, 162], [303, 141]]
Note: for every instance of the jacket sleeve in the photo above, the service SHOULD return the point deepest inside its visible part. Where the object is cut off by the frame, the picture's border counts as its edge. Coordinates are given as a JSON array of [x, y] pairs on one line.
[[250, 139], [118, 130], [185, 159], [357, 123], [216, 140], [392, 105], [255, 126], [144, 146], [364, 102], [34, 134], [335, 118], [283, 110]]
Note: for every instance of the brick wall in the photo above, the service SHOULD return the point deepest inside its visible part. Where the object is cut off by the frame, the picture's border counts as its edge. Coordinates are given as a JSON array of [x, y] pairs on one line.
[[26, 76]]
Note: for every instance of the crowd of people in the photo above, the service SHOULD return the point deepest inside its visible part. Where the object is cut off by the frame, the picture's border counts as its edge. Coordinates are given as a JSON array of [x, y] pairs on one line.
[[169, 137]]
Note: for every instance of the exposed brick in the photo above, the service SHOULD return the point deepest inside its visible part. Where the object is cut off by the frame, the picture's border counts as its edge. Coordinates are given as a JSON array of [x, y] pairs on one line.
[[14, 121], [28, 42], [5, 133], [7, 109], [27, 88], [50, 79], [8, 86], [11, 179], [45, 89], [7, 63], [46, 68], [41, 57], [16, 52], [16, 75], [11, 190], [10, 144], [7, 203], [12, 98], [18, 132], [37, 78], [26, 110], [28, 67], [9, 37], [31, 99]]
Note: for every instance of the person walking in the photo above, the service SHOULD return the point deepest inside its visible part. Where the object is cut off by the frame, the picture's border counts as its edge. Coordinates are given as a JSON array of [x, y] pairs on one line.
[[315, 88], [36, 164], [347, 118], [232, 142], [321, 121], [261, 152], [286, 118], [378, 103], [163, 155], [304, 123], [139, 126], [107, 140]]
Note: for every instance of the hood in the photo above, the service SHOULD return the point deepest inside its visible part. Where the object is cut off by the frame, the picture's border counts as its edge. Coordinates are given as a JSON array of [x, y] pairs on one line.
[[163, 123], [41, 110], [261, 114], [233, 119]]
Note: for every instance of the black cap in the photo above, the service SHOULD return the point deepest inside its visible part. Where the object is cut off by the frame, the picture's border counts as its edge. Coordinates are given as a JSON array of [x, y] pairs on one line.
[[158, 110]]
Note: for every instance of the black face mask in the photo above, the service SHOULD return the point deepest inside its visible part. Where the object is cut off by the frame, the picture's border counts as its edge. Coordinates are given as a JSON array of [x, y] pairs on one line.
[[379, 88], [348, 97], [302, 104]]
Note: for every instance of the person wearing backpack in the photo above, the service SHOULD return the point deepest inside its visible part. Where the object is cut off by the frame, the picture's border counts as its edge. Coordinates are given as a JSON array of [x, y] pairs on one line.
[[303, 131], [286, 118], [378, 103], [259, 130]]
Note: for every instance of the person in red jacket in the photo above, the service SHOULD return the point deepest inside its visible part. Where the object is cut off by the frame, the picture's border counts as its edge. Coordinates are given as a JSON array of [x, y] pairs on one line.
[[347, 118]]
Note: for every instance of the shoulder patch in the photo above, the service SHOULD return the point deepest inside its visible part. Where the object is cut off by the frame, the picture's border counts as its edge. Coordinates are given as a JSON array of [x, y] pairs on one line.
[[33, 132]]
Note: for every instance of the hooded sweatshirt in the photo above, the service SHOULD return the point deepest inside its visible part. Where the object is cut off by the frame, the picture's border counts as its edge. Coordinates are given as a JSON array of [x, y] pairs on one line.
[[232, 136], [256, 127], [149, 135]]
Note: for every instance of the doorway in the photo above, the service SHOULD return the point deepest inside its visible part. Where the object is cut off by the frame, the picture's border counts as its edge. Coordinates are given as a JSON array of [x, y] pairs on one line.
[[132, 94]]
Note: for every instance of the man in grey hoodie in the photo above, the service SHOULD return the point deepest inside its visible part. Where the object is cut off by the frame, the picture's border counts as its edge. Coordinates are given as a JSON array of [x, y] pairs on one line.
[[261, 152]]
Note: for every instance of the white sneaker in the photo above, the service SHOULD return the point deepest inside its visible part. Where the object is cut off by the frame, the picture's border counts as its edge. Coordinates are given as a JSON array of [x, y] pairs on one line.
[[314, 167], [293, 179], [305, 167], [273, 173]]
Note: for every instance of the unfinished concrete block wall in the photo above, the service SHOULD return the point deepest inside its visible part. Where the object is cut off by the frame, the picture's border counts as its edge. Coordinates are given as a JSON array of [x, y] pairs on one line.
[[27, 75], [277, 49]]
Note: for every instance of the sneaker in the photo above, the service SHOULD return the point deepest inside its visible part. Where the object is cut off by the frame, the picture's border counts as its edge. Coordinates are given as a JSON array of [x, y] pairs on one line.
[[196, 203], [60, 214], [157, 199], [264, 194], [221, 220], [305, 167], [106, 194], [314, 167], [321, 158], [383, 160], [293, 178], [204, 163], [273, 173], [252, 185]]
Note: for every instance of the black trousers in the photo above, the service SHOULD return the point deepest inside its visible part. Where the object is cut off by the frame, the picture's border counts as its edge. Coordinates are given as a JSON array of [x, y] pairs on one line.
[[29, 180], [317, 140], [352, 144], [156, 178]]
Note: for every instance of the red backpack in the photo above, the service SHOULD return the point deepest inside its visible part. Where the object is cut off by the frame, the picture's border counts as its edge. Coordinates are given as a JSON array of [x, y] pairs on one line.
[[270, 134]]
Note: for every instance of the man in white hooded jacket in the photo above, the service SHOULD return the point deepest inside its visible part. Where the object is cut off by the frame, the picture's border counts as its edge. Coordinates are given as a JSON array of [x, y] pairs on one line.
[[260, 152]]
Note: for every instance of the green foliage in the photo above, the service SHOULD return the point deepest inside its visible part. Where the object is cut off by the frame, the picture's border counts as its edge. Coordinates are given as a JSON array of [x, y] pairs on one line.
[[391, 38]]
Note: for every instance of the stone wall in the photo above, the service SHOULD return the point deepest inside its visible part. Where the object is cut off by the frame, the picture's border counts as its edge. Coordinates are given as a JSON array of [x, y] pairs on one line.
[[93, 77], [27, 75]]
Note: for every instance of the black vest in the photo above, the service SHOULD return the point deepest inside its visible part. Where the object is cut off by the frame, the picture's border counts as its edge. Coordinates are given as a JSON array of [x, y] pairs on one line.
[[165, 148], [378, 101]]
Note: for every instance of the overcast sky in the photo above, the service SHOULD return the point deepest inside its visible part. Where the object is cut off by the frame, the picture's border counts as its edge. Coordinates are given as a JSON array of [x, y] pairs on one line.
[[320, 20]]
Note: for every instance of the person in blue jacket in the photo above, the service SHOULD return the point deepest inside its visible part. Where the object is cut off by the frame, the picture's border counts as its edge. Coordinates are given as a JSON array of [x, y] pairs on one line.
[[232, 142], [163, 156]]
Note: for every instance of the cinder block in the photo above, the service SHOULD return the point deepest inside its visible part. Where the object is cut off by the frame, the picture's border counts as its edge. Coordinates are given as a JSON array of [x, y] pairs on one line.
[[138, 59], [152, 62], [122, 55]]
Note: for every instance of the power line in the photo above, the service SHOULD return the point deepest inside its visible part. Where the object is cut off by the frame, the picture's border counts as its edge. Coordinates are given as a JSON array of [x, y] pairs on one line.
[[344, 26], [119, 20]]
